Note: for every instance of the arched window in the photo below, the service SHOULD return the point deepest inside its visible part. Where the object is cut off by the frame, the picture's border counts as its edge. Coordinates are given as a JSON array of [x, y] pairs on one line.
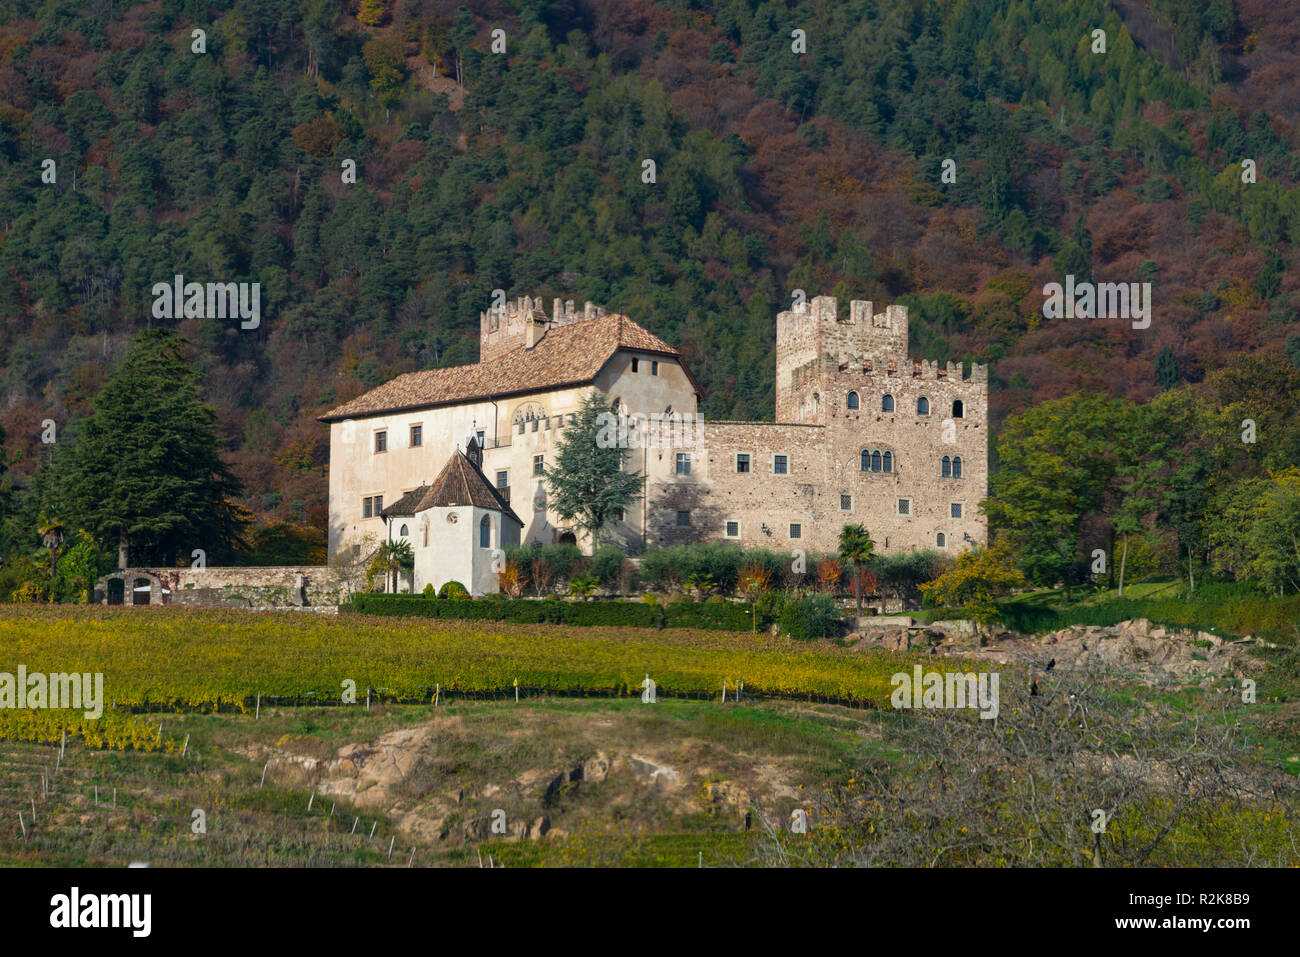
[[888, 462], [887, 404], [956, 467], [922, 406], [866, 461], [875, 461], [947, 467], [485, 533], [852, 400], [958, 409], [940, 540], [405, 532], [426, 534]]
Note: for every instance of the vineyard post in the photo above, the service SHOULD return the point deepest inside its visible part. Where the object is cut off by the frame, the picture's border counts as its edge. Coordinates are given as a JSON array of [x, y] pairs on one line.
[[372, 830], [724, 690], [44, 789], [390, 846], [33, 810], [354, 825], [738, 690], [437, 690], [411, 859], [367, 698], [114, 799], [185, 747], [263, 781], [258, 714], [96, 795], [331, 807], [63, 744], [310, 799], [22, 825]]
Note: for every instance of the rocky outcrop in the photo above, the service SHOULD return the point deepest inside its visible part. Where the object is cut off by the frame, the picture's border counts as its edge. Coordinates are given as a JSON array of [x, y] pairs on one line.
[[1150, 650]]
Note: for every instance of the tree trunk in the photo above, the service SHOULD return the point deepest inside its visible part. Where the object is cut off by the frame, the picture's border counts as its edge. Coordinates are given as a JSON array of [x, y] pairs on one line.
[[857, 587], [121, 553], [1123, 558]]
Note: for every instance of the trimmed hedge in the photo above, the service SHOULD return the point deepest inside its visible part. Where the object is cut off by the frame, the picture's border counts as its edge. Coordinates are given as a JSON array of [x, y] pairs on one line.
[[718, 616]]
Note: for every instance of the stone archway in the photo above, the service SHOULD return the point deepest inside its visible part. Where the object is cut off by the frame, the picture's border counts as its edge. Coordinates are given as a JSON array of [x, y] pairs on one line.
[[568, 538], [114, 591]]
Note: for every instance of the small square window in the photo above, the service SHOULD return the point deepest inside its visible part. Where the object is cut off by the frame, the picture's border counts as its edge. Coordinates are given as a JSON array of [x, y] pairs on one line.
[[683, 518], [539, 465], [780, 465], [742, 462], [417, 436], [654, 367], [796, 531], [503, 478], [956, 510], [683, 463], [381, 442], [904, 506], [636, 364], [846, 502], [733, 529]]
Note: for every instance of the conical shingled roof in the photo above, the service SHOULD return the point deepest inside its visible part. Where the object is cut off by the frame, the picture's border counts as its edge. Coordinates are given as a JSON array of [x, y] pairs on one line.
[[459, 483]]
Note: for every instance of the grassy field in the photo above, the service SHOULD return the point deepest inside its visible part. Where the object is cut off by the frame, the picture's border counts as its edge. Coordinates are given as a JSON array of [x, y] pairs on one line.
[[599, 781], [183, 659]]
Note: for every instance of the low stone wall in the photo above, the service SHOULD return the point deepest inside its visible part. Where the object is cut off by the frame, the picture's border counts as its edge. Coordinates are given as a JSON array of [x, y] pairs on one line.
[[316, 587]]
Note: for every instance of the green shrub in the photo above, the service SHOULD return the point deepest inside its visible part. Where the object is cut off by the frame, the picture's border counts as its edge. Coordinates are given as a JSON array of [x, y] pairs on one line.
[[454, 590], [816, 616], [726, 616], [605, 565], [428, 591]]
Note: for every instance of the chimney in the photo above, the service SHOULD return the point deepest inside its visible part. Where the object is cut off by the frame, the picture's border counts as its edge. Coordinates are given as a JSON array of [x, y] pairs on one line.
[[534, 329]]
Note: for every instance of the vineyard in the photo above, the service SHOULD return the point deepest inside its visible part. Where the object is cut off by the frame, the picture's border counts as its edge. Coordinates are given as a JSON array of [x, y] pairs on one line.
[[199, 660]]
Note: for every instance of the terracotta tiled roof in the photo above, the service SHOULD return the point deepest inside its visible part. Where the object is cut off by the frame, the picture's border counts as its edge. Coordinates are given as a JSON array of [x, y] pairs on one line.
[[566, 355], [459, 483]]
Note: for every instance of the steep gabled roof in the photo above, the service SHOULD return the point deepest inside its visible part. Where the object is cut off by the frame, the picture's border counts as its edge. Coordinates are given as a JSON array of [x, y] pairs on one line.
[[459, 483], [568, 355]]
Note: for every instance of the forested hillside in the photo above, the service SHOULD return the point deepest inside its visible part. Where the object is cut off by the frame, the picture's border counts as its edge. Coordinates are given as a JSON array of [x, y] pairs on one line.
[[522, 170]]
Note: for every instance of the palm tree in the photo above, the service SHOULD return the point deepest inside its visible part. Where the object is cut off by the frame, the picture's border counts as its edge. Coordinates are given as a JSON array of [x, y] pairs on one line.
[[52, 532], [399, 557], [856, 547]]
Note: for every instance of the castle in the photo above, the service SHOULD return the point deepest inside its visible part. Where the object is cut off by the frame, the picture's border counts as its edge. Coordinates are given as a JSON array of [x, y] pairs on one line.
[[452, 459]]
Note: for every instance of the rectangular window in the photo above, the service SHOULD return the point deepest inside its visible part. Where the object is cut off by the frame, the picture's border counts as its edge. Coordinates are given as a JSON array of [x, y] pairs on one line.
[[379, 504], [683, 463], [620, 515], [733, 529], [956, 510], [539, 467], [503, 478], [417, 436], [846, 502], [381, 442], [796, 531], [742, 462], [367, 506], [780, 465], [481, 436], [654, 367], [904, 506], [683, 519], [636, 363]]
